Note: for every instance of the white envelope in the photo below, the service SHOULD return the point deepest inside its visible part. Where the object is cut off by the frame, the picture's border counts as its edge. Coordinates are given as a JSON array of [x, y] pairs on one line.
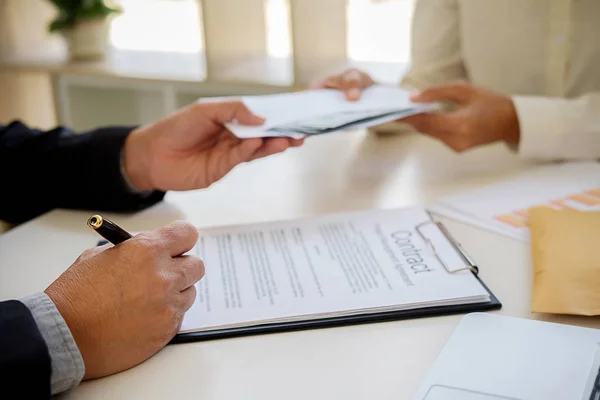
[[329, 106]]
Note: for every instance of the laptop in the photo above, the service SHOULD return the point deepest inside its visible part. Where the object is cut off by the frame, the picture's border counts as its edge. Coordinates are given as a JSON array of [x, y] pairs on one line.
[[494, 357]]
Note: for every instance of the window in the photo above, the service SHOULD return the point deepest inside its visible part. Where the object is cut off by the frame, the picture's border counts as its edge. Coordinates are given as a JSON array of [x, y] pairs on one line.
[[379, 30], [158, 26], [372, 34], [278, 32]]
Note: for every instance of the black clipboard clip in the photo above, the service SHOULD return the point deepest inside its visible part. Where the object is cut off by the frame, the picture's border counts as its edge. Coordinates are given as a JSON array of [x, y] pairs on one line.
[[470, 265]]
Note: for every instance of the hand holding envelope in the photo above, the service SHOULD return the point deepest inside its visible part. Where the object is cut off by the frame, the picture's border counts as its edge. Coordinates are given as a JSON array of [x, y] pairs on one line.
[[316, 112]]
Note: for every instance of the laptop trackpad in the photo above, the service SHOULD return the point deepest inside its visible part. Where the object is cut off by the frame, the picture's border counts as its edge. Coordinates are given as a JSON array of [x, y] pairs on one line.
[[449, 393]]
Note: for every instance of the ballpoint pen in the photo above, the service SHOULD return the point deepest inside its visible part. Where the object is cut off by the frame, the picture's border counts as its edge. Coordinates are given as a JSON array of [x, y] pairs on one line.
[[108, 229]]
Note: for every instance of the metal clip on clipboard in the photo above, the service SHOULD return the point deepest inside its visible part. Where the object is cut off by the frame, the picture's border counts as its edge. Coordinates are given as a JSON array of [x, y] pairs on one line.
[[470, 265]]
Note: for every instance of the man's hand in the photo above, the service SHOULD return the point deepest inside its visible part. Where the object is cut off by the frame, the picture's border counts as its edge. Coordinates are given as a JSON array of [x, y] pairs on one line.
[[191, 149], [481, 116], [352, 82], [123, 304]]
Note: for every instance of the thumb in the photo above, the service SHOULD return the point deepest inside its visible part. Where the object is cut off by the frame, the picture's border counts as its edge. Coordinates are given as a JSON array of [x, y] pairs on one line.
[[229, 111], [458, 92]]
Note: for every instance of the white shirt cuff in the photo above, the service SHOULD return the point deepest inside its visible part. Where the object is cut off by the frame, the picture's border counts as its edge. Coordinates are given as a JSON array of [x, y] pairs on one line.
[[67, 364], [555, 129], [132, 189], [540, 127]]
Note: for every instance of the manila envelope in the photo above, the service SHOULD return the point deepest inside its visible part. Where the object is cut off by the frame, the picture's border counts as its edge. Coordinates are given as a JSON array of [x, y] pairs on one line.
[[565, 247]]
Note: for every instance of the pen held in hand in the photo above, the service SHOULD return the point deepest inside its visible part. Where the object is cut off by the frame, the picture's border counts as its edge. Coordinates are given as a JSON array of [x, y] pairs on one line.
[[108, 229]]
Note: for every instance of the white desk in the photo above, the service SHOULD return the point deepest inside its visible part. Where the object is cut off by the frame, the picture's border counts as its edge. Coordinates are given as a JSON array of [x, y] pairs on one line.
[[339, 172]]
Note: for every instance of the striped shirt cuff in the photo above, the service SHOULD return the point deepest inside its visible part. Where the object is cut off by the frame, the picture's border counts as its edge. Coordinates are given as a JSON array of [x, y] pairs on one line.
[[67, 364]]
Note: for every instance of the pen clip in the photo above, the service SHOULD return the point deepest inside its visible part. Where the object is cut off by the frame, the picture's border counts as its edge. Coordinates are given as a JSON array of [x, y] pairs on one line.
[[470, 265]]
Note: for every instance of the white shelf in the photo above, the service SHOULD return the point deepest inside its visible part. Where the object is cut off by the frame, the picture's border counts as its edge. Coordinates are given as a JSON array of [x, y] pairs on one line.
[[132, 65], [133, 88]]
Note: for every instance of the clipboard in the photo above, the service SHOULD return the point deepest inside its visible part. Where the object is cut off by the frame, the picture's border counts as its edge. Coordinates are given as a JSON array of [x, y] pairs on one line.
[[386, 316]]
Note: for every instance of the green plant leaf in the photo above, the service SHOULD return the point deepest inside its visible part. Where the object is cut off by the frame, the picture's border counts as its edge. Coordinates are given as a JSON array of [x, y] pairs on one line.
[[72, 11], [64, 20], [96, 10], [68, 6]]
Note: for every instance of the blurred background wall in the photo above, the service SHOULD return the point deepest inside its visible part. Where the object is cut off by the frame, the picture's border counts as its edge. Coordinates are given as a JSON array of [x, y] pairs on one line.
[[164, 54]]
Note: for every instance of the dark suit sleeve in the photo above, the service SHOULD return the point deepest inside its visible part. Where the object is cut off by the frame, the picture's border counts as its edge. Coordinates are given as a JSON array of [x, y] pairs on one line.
[[40, 171], [25, 365]]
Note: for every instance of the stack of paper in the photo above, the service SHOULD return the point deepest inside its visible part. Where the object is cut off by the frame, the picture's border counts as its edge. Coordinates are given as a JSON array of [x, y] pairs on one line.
[[503, 207], [315, 112]]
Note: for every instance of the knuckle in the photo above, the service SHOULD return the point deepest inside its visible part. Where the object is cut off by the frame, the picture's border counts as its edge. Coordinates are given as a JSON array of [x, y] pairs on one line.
[[241, 107], [232, 104], [193, 292], [207, 108], [186, 226], [188, 230], [195, 271], [190, 271], [172, 318], [352, 75], [175, 313], [174, 226], [236, 103], [196, 262], [171, 312], [147, 246], [182, 274], [143, 238], [179, 228], [164, 283], [169, 232], [201, 267], [176, 325], [188, 302]]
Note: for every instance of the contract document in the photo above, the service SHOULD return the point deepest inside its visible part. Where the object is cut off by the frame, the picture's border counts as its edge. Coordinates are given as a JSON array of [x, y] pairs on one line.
[[330, 268]]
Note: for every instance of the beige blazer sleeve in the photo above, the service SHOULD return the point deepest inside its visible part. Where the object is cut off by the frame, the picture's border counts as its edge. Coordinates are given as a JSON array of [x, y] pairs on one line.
[[435, 47], [559, 129]]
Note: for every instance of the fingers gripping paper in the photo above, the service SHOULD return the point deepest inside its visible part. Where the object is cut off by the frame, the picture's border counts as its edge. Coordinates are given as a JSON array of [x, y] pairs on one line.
[[321, 111], [566, 261]]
